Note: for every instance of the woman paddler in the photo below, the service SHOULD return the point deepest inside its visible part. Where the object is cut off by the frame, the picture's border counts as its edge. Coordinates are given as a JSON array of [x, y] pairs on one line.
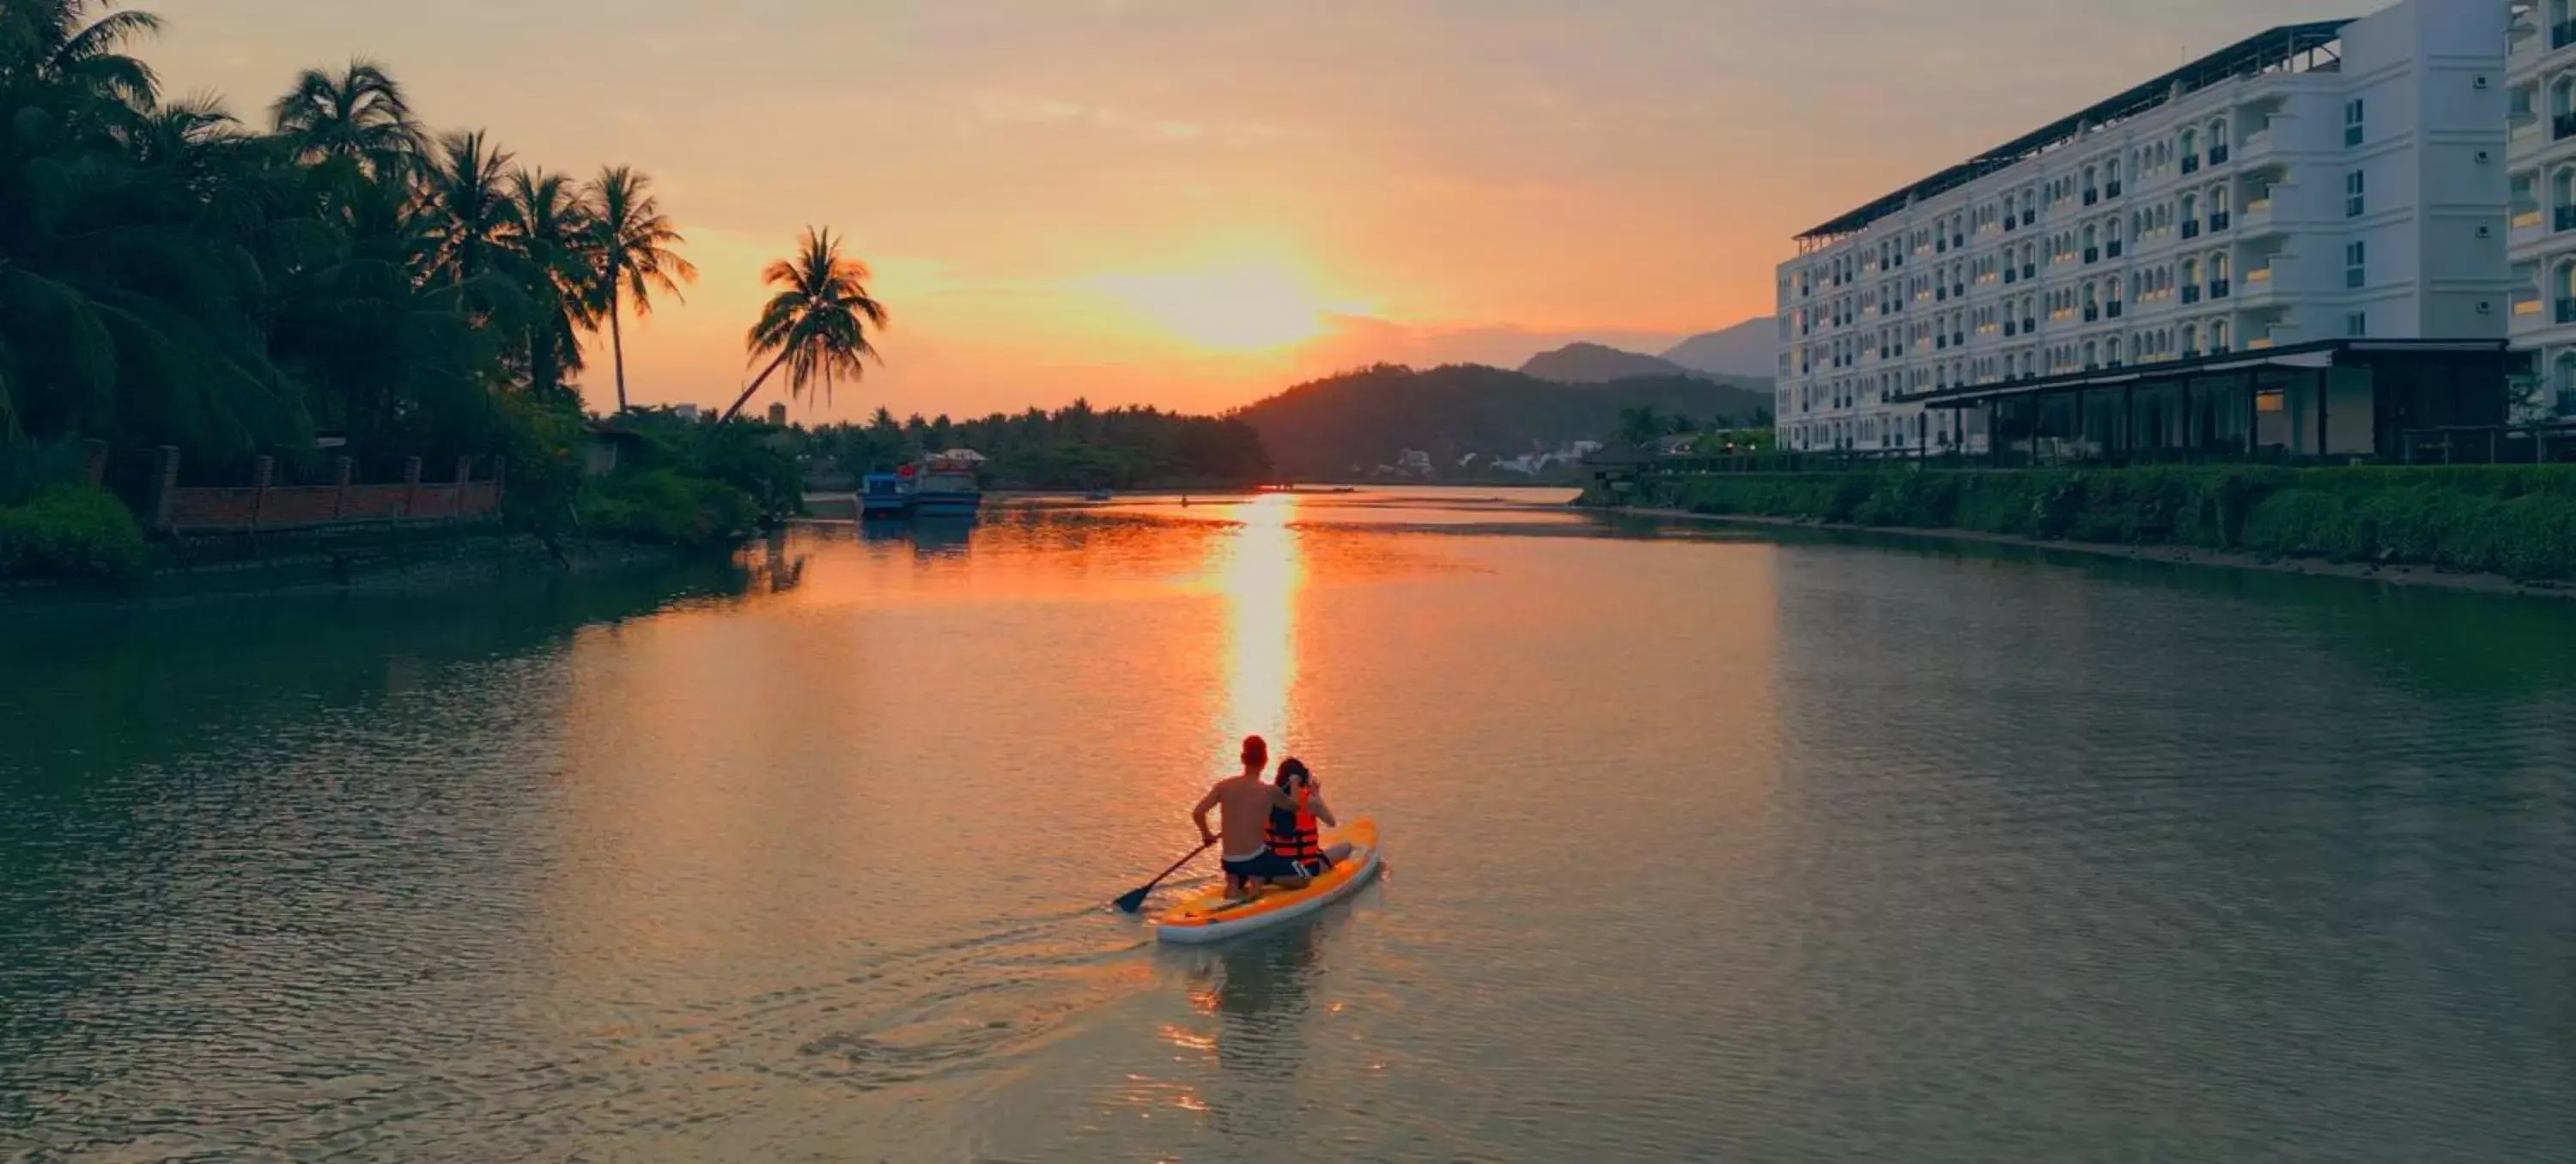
[[1293, 833]]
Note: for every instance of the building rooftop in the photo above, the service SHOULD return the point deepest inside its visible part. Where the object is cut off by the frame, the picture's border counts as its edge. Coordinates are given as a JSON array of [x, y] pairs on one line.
[[2266, 50]]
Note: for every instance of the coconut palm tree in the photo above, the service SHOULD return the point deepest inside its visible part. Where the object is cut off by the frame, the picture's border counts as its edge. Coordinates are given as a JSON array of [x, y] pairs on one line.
[[552, 239], [359, 117], [470, 209], [818, 322], [633, 244], [52, 43]]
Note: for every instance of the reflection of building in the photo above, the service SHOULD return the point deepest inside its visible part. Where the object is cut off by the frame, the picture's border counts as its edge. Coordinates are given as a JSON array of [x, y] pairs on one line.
[[2231, 229], [2540, 76]]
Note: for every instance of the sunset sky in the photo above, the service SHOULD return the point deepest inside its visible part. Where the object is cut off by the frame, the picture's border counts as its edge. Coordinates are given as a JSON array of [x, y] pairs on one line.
[[1196, 202]]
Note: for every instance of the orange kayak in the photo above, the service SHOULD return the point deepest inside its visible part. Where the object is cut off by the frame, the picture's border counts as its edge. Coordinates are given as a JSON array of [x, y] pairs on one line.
[[1209, 917]]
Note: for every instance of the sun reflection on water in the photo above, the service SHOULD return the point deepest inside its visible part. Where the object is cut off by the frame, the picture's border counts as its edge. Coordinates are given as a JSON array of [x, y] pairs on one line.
[[1259, 568]]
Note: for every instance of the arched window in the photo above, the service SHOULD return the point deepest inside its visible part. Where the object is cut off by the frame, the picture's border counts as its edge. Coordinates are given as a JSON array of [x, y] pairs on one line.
[[2111, 350], [2091, 173], [2090, 302], [2218, 336], [2562, 375], [2217, 132], [2218, 265], [2110, 230], [2190, 271], [2562, 95], [2190, 142], [2562, 187], [2111, 171], [2190, 207], [2091, 236], [2190, 341], [2092, 355], [2565, 281]]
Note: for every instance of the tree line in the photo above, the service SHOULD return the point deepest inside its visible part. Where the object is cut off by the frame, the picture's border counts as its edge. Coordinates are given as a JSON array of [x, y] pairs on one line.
[[172, 274], [1075, 447]]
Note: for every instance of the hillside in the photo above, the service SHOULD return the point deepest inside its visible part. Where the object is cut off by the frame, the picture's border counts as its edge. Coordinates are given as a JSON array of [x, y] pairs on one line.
[[1583, 363], [1746, 349], [1324, 428]]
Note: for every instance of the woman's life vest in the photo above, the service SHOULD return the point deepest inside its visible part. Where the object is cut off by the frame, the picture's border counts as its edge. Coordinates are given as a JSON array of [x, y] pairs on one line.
[[1292, 832]]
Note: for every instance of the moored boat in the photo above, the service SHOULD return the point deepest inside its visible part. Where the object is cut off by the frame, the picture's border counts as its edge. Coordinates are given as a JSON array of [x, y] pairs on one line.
[[881, 495], [944, 485]]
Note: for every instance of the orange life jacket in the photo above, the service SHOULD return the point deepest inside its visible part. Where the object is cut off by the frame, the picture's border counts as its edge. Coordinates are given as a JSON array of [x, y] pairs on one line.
[[1293, 833]]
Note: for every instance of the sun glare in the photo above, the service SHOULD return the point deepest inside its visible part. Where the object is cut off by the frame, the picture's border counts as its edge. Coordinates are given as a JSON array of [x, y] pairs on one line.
[[1247, 308]]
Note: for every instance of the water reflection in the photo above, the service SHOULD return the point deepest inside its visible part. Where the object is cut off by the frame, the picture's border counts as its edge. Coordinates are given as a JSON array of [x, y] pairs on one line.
[[1260, 992], [1259, 569]]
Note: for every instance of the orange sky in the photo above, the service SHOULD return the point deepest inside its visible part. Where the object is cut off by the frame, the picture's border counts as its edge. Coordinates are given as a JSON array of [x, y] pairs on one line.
[[1193, 203]]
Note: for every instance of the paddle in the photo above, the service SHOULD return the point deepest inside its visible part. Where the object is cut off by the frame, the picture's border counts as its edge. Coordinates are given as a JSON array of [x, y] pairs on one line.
[[1135, 899]]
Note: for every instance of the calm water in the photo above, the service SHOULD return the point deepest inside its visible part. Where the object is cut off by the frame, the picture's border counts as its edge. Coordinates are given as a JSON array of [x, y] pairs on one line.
[[1700, 847]]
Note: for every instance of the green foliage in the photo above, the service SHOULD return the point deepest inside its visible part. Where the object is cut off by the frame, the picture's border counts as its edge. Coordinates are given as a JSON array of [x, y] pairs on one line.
[[1076, 447], [1366, 417], [171, 276], [2518, 521], [668, 506], [72, 532]]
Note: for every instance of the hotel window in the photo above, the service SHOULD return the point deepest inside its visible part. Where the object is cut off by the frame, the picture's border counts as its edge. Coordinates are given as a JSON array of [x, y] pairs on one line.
[[2352, 122], [2190, 341], [2357, 323], [2218, 337], [2355, 268], [2352, 194]]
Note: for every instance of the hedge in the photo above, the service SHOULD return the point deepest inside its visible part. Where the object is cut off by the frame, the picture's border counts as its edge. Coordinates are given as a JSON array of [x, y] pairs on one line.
[[2517, 521]]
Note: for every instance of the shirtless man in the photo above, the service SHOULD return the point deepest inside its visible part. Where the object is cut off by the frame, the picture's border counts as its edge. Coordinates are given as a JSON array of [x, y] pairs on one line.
[[1247, 803]]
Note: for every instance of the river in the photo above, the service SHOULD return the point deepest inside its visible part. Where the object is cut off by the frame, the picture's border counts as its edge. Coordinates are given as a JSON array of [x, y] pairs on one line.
[[1701, 845]]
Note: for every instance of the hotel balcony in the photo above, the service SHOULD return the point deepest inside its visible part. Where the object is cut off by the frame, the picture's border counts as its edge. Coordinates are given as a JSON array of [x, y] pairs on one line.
[[2257, 219], [2275, 335], [2258, 147], [2528, 225], [2262, 286]]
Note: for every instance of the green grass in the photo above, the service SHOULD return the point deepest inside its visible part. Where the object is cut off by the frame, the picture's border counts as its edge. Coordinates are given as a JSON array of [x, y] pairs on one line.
[[78, 532], [2517, 521]]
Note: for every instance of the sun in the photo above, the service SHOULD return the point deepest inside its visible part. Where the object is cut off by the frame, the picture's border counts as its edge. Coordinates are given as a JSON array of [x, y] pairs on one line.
[[1235, 309]]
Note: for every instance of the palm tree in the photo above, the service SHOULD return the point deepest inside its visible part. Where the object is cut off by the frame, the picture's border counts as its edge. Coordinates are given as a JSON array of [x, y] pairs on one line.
[[470, 211], [359, 117], [818, 322], [633, 245], [48, 42], [552, 239]]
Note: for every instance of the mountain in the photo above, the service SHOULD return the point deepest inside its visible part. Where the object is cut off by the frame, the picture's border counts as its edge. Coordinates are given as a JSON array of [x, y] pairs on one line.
[[1368, 417], [1582, 363], [1746, 349]]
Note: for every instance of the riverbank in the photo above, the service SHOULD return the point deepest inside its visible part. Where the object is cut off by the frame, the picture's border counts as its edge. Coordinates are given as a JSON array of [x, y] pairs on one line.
[[383, 562], [2505, 529]]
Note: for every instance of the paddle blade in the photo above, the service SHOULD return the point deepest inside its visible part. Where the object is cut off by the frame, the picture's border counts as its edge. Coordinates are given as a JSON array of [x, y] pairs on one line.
[[1133, 900]]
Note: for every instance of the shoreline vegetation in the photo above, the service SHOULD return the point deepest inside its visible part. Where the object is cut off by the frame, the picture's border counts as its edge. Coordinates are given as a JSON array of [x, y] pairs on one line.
[[2498, 528], [340, 290]]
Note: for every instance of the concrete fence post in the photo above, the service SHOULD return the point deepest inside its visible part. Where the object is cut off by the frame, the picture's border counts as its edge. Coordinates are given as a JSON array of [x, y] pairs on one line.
[[411, 486], [165, 485], [262, 470], [94, 462], [464, 475], [341, 471]]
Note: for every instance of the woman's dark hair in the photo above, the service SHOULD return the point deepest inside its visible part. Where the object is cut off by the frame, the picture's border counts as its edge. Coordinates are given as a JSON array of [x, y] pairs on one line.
[[1293, 768]]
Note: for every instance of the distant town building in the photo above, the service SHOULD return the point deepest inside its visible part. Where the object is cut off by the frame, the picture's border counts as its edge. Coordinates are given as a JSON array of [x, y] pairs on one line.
[[778, 413], [2295, 243], [685, 411]]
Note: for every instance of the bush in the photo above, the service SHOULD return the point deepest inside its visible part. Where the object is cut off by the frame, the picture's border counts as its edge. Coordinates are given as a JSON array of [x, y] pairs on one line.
[[2515, 520], [71, 531], [667, 506]]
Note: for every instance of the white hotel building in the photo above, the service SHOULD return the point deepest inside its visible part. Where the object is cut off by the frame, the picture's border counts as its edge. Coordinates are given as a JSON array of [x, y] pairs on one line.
[[2298, 244], [2541, 70]]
